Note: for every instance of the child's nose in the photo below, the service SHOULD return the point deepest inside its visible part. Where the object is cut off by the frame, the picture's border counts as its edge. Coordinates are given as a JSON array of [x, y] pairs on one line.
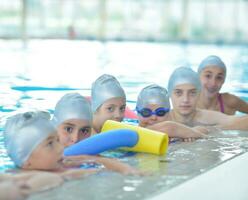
[[117, 114], [154, 117], [185, 98], [74, 138]]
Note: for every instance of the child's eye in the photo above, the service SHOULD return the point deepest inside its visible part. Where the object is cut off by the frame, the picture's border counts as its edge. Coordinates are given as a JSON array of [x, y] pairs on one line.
[[110, 109], [178, 93], [208, 76], [193, 93], [219, 78], [68, 129], [85, 131], [50, 143], [123, 108]]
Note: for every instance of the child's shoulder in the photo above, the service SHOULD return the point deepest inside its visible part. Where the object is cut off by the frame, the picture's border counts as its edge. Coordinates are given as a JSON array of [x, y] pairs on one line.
[[230, 100]]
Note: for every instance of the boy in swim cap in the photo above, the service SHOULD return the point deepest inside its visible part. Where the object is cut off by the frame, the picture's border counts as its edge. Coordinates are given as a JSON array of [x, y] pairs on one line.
[[184, 89], [73, 118], [32, 143], [108, 101], [153, 108], [212, 73]]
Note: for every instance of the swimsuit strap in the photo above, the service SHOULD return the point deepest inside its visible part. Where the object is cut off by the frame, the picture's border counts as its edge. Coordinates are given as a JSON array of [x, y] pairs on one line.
[[220, 100]]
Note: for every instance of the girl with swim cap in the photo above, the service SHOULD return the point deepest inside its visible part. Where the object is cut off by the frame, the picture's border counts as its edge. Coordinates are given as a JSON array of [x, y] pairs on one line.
[[108, 101], [184, 89], [212, 73], [73, 118]]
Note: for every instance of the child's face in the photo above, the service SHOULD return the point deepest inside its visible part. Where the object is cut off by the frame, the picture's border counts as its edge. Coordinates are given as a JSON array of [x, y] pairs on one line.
[[154, 118], [73, 130], [112, 109], [184, 98], [48, 155], [212, 79]]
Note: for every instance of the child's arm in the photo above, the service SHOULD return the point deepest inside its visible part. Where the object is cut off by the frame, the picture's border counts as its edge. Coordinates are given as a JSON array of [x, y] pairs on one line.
[[25, 183], [224, 121], [42, 181], [174, 129], [77, 173], [9, 190], [234, 123], [109, 163], [115, 165], [237, 103]]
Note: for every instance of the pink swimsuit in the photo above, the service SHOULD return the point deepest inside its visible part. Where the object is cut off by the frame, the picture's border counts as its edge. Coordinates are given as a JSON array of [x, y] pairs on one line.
[[220, 100]]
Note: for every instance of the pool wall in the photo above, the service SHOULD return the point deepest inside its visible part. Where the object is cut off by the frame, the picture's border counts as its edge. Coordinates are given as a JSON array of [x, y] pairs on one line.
[[227, 181]]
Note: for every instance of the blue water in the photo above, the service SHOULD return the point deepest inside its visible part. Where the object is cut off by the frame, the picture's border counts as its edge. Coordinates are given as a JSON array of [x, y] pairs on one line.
[[36, 77]]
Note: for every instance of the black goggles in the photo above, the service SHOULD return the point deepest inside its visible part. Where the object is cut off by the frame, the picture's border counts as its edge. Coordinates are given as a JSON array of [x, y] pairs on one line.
[[147, 112]]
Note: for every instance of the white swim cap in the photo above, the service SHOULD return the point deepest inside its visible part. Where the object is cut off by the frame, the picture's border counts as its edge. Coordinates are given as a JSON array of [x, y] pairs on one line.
[[72, 106], [211, 60], [153, 94], [24, 132], [104, 88], [183, 75]]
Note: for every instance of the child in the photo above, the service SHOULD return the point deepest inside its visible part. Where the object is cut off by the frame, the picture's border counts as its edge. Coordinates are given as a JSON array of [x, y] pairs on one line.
[[212, 73], [184, 88], [31, 139], [153, 108], [32, 143], [73, 119], [108, 101]]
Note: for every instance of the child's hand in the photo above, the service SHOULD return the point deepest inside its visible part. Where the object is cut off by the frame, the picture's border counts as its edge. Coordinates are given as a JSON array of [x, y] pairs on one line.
[[9, 190], [43, 181], [135, 172], [201, 129], [189, 139], [108, 163], [78, 173], [196, 132]]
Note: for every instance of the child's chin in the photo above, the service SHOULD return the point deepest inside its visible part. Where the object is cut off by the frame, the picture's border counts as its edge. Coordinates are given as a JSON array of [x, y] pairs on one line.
[[186, 112], [52, 168]]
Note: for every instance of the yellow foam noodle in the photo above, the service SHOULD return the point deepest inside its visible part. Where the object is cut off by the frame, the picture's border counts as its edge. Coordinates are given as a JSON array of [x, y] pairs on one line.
[[149, 141]]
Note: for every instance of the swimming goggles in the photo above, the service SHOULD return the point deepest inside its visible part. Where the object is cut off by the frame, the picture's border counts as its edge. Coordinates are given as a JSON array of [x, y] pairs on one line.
[[147, 112]]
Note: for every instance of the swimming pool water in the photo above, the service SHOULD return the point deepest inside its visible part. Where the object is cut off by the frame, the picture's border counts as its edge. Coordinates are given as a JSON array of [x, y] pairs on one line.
[[36, 77]]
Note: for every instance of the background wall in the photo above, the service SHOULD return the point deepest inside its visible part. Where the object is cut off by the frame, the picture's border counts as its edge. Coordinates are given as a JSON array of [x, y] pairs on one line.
[[203, 21]]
